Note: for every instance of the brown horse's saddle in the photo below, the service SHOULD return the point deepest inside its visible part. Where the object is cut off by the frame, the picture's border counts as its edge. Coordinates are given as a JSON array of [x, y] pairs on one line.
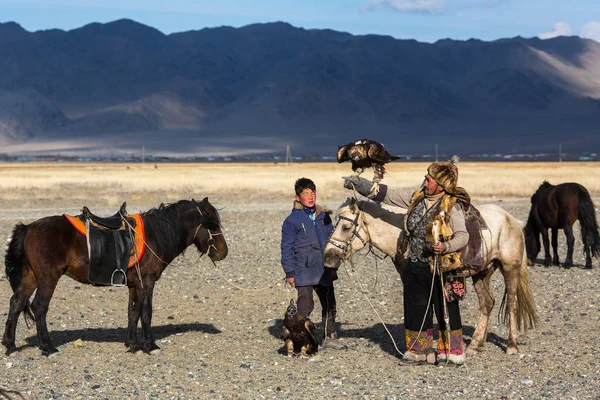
[[113, 222], [114, 244], [472, 253]]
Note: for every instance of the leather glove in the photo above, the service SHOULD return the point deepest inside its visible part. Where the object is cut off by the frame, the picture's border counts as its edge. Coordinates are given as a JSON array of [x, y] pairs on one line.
[[428, 249], [361, 185]]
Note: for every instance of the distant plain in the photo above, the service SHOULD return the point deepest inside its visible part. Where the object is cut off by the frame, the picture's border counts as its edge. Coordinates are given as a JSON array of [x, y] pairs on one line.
[[147, 185]]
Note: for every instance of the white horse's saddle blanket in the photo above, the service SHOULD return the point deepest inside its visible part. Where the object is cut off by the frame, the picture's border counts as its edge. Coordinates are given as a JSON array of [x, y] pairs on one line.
[[472, 253]]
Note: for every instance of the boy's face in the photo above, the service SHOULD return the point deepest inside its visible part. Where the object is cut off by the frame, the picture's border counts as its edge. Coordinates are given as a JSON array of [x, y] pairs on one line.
[[307, 198]]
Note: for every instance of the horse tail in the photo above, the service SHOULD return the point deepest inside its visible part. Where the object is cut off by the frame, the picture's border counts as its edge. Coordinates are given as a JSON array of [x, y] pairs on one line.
[[526, 315], [14, 260], [589, 225]]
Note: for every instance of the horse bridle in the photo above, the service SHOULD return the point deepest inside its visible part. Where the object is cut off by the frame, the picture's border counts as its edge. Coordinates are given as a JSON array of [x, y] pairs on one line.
[[210, 242], [345, 246]]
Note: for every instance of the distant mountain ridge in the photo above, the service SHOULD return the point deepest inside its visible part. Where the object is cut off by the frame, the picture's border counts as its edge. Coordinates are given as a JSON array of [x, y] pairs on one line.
[[253, 90]]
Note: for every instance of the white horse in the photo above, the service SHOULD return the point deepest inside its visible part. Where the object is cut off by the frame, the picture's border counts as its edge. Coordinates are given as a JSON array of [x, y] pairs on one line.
[[361, 223]]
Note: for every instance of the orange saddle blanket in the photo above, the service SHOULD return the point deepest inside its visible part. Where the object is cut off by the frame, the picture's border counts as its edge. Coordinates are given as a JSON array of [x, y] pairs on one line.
[[137, 251]]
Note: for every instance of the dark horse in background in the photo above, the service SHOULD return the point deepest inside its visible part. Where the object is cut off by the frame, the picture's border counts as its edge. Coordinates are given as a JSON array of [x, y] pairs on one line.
[[40, 253], [558, 207]]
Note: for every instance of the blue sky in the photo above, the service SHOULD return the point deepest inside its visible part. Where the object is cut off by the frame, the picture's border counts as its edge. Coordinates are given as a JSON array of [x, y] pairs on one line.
[[423, 20]]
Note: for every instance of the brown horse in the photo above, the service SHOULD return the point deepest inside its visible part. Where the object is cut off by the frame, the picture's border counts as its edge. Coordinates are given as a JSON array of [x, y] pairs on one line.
[[40, 253], [363, 224], [558, 207]]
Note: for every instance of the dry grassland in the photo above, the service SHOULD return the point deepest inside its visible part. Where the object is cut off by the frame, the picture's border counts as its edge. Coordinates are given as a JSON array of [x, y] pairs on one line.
[[219, 326], [146, 184]]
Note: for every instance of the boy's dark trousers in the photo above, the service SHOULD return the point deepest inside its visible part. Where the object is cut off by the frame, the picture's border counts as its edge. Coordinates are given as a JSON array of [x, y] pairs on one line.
[[326, 296]]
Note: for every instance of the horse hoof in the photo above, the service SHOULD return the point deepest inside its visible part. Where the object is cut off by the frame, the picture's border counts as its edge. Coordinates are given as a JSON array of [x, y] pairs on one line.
[[133, 349], [49, 352], [512, 350], [10, 350], [149, 349]]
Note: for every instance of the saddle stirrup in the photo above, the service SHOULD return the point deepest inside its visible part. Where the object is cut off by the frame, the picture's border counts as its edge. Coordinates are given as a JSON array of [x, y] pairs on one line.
[[116, 273]]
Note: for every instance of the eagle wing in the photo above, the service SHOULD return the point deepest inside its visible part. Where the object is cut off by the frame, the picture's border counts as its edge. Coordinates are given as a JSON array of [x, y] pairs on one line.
[[342, 153], [312, 337], [378, 153]]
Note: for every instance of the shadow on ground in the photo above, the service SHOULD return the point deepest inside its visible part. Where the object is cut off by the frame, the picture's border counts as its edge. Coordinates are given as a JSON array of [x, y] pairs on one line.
[[107, 335], [378, 336]]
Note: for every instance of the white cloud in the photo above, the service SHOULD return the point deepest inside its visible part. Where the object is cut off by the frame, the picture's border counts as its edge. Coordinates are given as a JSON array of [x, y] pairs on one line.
[[429, 6], [591, 30], [560, 29], [432, 6]]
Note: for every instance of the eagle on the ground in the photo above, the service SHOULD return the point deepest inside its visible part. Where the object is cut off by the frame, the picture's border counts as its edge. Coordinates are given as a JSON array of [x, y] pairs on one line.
[[298, 333], [365, 153]]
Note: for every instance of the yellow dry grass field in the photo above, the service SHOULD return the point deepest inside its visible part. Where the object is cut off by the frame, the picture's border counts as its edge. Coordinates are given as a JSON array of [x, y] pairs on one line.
[[108, 184]]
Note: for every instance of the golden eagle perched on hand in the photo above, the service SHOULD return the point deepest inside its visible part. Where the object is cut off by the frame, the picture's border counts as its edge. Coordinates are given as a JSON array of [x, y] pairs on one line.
[[366, 153], [298, 333]]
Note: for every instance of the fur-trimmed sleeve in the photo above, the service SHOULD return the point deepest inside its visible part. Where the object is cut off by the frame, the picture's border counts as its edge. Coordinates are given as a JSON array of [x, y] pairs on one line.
[[459, 229]]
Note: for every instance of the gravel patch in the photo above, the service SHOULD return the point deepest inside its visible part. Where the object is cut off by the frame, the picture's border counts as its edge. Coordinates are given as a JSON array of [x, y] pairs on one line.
[[219, 330]]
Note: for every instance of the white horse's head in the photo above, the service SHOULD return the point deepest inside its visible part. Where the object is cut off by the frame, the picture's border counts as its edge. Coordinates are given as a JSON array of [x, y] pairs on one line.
[[349, 236]]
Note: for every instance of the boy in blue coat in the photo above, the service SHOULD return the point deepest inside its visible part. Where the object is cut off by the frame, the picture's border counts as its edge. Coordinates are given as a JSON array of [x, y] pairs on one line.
[[304, 235]]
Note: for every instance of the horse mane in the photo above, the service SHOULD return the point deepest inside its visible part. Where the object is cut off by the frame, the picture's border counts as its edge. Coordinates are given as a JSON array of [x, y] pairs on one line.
[[546, 184], [168, 224], [209, 215]]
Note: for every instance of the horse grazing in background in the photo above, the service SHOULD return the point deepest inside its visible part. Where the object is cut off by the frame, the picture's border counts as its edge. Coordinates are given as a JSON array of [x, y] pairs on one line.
[[40, 253], [558, 207], [362, 223]]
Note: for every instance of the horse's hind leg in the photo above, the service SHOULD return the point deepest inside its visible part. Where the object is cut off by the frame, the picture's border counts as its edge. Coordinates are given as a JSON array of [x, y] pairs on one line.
[[18, 302], [570, 245], [481, 282], [555, 246], [511, 275]]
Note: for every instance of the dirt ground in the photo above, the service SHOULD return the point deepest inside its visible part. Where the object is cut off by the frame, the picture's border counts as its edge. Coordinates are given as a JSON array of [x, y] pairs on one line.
[[219, 327]]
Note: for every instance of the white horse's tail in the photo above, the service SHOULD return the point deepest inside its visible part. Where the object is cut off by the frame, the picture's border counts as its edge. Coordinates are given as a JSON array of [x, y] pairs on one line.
[[526, 315]]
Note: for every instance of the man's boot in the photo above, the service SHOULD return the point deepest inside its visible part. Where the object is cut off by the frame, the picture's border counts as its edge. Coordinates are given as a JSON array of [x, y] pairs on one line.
[[452, 352]]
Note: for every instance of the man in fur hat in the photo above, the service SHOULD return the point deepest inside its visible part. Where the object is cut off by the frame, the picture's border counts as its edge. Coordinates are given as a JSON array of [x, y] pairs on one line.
[[438, 198]]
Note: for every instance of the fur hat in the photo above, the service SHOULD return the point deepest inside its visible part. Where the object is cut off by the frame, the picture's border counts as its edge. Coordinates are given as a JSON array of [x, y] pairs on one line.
[[445, 174]]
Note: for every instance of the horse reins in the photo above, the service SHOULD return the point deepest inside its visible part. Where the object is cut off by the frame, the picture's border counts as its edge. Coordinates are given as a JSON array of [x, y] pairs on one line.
[[142, 239], [345, 246], [210, 242]]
